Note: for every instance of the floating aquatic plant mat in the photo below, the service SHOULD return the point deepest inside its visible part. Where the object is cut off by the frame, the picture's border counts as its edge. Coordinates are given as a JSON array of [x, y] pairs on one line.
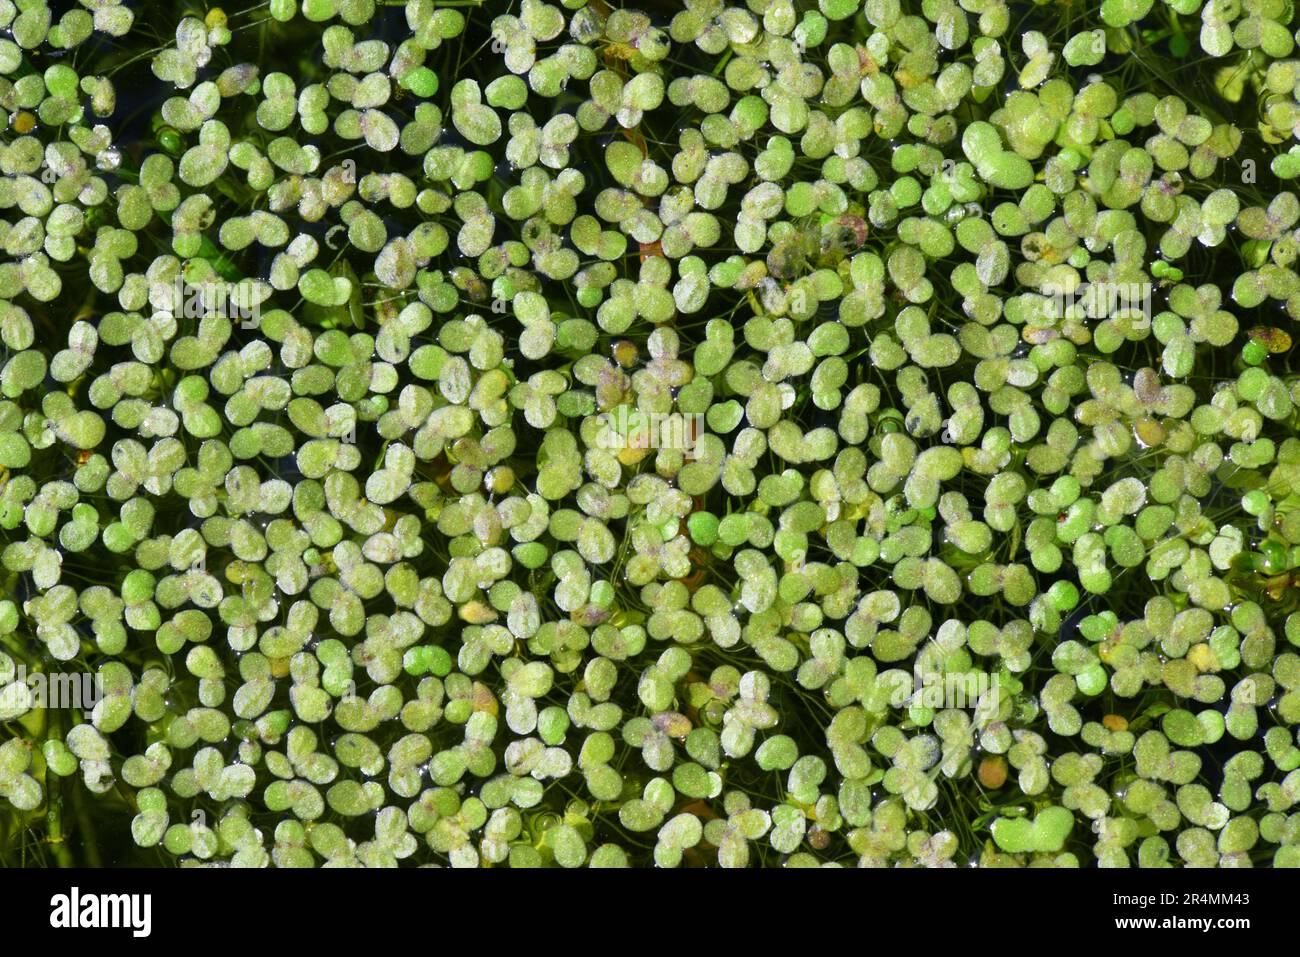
[[775, 434]]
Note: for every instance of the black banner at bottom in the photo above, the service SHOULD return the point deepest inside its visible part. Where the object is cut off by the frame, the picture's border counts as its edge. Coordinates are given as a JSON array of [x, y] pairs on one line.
[[145, 908]]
